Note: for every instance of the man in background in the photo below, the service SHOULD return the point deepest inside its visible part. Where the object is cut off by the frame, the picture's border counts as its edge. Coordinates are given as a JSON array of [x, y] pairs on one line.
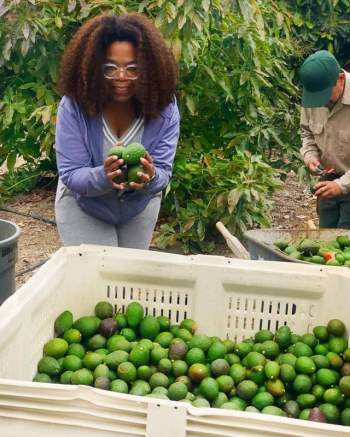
[[325, 133]]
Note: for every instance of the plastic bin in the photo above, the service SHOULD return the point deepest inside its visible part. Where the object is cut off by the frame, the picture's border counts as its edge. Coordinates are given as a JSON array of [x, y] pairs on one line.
[[261, 247], [228, 298], [9, 234]]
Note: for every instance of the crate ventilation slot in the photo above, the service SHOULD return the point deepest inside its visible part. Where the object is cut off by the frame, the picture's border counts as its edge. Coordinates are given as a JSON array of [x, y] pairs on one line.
[[245, 316], [157, 302]]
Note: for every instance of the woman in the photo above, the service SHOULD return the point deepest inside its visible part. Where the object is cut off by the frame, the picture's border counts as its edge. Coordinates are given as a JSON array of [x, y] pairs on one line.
[[118, 83]]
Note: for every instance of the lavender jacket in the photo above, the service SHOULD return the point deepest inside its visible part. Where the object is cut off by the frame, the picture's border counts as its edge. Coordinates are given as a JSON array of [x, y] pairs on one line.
[[80, 161]]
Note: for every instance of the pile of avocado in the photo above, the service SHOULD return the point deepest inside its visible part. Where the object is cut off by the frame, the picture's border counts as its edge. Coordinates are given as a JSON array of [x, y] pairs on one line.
[[332, 253], [131, 156], [282, 373]]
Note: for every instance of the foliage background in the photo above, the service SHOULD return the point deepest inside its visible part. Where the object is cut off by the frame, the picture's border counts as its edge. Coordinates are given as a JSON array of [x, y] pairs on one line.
[[237, 93]]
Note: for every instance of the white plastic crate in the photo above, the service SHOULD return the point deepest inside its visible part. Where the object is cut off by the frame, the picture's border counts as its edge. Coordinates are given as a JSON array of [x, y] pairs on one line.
[[228, 298]]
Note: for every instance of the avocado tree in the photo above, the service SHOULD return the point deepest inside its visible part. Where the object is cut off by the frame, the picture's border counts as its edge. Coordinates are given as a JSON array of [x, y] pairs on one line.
[[322, 24]]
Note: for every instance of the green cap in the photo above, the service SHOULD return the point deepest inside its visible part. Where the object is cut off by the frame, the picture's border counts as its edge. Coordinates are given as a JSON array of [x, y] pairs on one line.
[[318, 74]]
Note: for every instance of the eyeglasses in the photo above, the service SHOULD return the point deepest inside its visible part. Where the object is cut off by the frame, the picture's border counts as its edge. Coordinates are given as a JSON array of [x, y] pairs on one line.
[[112, 71]]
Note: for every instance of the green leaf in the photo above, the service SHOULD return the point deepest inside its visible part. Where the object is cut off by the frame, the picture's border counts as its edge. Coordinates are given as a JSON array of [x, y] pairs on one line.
[[188, 6], [46, 114], [177, 48], [25, 47], [11, 161], [9, 112], [190, 104], [58, 21], [72, 4], [201, 230], [7, 50], [26, 30], [171, 9], [206, 5], [232, 199], [246, 10], [298, 20], [181, 22], [188, 225], [197, 22], [221, 200]]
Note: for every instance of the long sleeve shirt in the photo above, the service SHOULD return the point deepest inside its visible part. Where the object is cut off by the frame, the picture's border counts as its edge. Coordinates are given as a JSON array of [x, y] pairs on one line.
[[79, 152]]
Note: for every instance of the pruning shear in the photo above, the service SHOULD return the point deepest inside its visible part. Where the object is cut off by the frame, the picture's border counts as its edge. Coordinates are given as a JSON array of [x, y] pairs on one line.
[[321, 171]]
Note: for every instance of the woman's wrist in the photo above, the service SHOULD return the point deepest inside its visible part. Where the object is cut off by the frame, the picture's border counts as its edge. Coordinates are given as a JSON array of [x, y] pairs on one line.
[[151, 178]]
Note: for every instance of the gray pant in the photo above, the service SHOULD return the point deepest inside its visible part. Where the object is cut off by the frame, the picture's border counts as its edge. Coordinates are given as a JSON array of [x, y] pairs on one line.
[[76, 227], [335, 212]]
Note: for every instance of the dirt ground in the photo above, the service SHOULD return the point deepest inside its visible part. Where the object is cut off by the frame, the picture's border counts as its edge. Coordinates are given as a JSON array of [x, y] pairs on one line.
[[294, 206]]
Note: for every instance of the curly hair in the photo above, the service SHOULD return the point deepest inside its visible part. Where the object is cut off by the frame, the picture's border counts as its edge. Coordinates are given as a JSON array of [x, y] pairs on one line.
[[81, 74]]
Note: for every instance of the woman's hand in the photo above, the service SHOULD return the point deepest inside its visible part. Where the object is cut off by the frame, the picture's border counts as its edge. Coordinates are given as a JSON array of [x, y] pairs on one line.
[[147, 175], [112, 167]]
